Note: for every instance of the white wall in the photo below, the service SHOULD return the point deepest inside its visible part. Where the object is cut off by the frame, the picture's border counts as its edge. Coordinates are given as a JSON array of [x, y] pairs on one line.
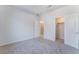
[[3, 18], [17, 25], [37, 27]]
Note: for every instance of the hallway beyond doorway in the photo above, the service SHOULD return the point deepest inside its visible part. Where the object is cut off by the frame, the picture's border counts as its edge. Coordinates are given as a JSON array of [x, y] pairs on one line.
[[41, 28], [60, 29]]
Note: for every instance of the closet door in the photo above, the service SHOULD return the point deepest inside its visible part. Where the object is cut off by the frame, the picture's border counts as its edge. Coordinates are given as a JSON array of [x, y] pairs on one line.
[[77, 29], [70, 31]]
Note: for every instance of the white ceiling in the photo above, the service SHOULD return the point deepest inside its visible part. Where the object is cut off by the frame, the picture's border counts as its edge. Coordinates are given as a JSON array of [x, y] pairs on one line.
[[39, 9]]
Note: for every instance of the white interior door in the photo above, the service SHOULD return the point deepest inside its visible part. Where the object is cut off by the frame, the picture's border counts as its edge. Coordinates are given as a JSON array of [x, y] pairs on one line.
[[70, 31]]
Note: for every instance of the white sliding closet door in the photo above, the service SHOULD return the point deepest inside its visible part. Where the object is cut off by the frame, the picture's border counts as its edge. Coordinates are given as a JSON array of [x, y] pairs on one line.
[[77, 29], [70, 30]]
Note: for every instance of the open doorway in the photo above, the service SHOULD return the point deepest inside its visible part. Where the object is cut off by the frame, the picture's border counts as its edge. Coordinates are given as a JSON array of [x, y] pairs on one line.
[[41, 28], [60, 29]]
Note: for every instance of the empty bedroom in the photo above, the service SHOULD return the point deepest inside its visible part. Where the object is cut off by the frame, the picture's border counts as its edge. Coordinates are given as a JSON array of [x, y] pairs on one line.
[[39, 29]]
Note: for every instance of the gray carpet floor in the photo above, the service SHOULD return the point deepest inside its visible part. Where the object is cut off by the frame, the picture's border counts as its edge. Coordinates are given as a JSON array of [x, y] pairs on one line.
[[37, 46]]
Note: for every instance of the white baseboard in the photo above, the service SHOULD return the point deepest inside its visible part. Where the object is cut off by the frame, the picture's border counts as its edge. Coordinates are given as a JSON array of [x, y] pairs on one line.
[[71, 45], [11, 42]]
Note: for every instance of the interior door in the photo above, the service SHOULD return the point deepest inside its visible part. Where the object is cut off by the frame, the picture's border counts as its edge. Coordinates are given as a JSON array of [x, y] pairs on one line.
[[70, 31]]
